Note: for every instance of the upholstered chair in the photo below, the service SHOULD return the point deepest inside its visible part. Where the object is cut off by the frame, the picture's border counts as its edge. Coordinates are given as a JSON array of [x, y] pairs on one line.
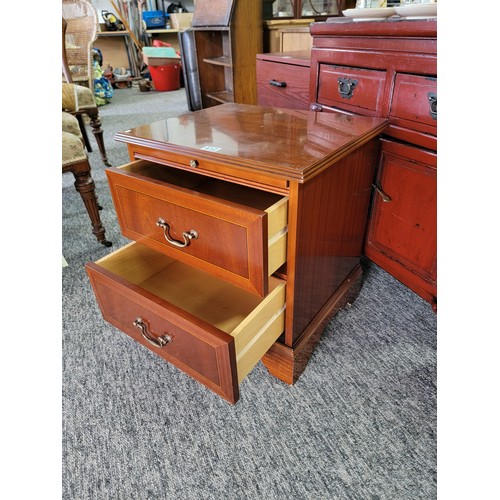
[[79, 101], [75, 160], [79, 34], [79, 31]]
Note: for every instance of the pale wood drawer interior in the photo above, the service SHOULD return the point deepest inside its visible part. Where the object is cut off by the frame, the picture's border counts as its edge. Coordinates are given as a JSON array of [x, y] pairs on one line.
[[254, 322]]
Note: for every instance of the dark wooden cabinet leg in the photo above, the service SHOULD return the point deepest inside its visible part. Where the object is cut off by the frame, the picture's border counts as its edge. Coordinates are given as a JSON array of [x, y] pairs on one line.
[[85, 185]]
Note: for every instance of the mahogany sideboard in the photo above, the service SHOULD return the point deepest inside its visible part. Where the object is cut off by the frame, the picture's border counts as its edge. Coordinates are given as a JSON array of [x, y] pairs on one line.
[[247, 227], [389, 69]]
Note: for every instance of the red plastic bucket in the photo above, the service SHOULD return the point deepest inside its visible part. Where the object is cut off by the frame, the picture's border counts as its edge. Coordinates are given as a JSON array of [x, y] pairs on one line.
[[167, 77]]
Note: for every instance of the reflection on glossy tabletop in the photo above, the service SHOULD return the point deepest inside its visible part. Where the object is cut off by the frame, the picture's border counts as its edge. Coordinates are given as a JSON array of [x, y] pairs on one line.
[[294, 142]]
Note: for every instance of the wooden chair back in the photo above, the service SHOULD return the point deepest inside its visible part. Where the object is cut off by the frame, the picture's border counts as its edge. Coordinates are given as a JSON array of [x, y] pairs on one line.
[[79, 35]]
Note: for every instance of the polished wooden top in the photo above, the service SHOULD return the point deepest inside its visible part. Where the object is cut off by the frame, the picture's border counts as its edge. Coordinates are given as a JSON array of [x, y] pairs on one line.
[[299, 57], [294, 144], [393, 26]]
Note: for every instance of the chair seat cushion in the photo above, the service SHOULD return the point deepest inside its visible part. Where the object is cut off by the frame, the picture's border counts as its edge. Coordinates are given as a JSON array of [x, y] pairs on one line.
[[85, 97], [72, 149], [69, 97], [76, 97], [70, 124]]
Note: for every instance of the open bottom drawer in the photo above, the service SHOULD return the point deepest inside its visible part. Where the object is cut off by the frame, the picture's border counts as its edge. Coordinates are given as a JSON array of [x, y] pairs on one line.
[[210, 329]]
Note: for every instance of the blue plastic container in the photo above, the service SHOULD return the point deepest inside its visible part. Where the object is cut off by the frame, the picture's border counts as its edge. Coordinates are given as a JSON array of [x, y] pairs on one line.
[[154, 18]]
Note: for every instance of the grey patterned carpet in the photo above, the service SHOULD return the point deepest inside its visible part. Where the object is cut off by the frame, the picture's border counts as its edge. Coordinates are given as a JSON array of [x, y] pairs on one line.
[[359, 424]]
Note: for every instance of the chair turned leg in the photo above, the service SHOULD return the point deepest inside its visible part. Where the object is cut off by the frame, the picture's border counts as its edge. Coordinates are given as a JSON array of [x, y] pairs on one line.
[[95, 123], [85, 185], [83, 130]]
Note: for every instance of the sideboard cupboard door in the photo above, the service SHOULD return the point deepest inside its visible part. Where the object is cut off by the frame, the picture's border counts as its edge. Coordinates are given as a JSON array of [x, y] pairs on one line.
[[213, 331], [402, 230]]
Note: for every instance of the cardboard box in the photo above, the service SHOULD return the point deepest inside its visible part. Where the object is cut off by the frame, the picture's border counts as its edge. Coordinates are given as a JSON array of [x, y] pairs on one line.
[[181, 21]]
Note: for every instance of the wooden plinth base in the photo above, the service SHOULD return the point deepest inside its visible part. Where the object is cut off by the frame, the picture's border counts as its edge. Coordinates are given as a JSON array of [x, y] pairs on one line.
[[288, 363]]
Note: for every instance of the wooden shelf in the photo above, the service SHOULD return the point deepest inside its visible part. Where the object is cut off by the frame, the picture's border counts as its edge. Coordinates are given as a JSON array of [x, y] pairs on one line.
[[212, 28], [226, 50], [113, 33], [219, 61], [162, 31], [222, 97], [170, 36]]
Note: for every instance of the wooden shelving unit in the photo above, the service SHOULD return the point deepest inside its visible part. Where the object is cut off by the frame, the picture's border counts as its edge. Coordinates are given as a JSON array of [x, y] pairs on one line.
[[170, 36], [228, 36], [118, 50]]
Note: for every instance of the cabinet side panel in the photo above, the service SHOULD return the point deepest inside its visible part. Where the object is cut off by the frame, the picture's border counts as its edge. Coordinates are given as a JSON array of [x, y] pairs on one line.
[[329, 232], [246, 34]]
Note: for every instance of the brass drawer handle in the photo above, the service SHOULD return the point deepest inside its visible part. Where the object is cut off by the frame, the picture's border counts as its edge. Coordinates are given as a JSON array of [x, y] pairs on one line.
[[380, 191], [275, 83], [187, 235], [161, 341], [346, 87]]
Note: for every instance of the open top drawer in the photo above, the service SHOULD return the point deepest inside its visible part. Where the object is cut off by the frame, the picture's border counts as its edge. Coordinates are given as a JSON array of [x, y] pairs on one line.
[[210, 329], [234, 232]]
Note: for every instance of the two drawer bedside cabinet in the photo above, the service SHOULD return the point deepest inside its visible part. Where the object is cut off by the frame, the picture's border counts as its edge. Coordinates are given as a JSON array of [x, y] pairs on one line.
[[247, 227]]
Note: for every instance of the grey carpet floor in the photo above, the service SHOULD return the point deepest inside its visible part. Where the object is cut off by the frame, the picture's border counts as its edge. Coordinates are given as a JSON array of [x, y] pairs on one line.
[[360, 423]]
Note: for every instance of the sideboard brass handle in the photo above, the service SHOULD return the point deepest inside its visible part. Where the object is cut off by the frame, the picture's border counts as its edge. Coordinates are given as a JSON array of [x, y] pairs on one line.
[[346, 87], [187, 235], [160, 341], [275, 83], [433, 104], [380, 191]]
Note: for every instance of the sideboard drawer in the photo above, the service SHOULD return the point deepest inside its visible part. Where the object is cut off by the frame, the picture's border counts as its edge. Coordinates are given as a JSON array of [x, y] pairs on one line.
[[234, 232], [213, 331], [414, 102], [355, 89], [282, 85]]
